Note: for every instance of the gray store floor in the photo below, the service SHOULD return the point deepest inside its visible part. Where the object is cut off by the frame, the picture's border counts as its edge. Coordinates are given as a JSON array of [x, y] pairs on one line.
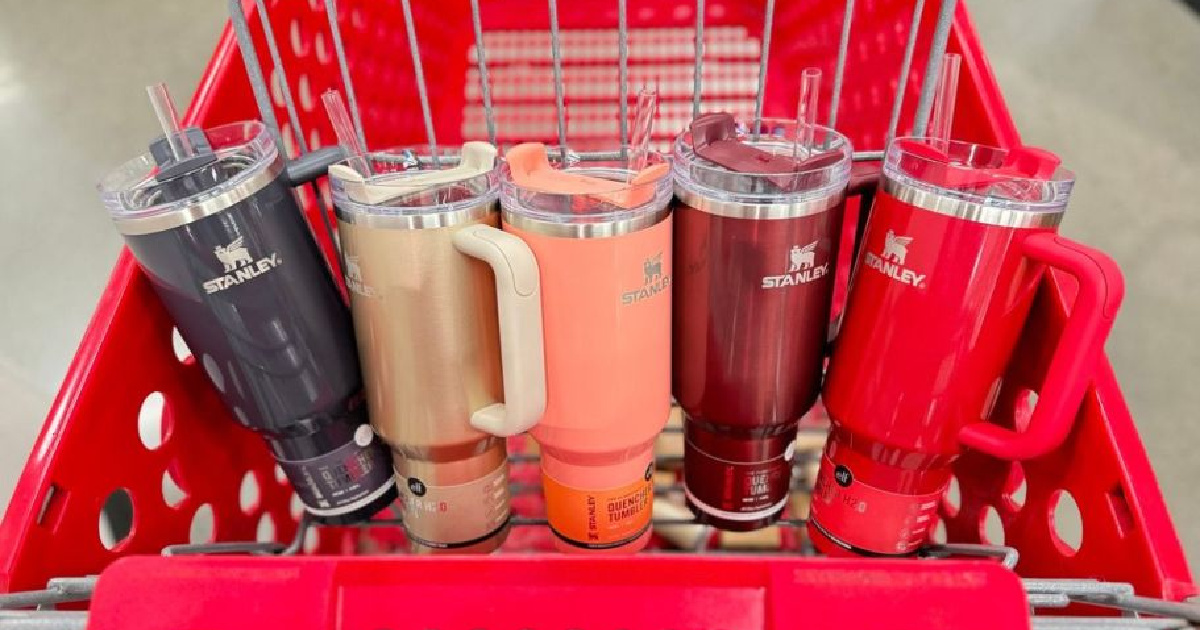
[[1108, 83]]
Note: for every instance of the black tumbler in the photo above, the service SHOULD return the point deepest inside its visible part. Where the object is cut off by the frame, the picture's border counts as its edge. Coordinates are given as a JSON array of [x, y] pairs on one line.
[[221, 237]]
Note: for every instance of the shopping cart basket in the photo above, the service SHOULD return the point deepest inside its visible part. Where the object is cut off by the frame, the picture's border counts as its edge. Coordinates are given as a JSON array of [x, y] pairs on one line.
[[137, 430]]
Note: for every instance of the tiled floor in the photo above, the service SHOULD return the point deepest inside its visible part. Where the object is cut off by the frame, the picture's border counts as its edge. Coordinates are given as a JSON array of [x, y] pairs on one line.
[[1109, 84]]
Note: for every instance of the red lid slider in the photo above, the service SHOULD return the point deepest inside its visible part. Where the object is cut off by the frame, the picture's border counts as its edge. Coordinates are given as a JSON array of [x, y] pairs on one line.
[[930, 164]]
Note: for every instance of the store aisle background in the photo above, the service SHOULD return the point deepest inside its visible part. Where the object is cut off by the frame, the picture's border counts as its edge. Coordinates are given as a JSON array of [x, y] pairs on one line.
[[1111, 85]]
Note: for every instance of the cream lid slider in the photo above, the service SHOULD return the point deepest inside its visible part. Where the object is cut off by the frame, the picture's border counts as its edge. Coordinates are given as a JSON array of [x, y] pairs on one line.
[[477, 159]]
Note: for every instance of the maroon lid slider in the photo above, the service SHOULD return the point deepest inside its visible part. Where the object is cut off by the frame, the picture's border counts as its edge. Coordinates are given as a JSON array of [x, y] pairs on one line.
[[715, 138]]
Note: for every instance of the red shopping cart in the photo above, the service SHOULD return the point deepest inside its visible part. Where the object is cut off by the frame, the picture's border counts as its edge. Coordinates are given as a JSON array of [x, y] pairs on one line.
[[137, 429]]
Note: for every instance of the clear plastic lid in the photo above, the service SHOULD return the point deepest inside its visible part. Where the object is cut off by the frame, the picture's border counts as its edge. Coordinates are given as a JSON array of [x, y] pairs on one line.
[[799, 173], [243, 155], [407, 183], [597, 194], [1026, 179]]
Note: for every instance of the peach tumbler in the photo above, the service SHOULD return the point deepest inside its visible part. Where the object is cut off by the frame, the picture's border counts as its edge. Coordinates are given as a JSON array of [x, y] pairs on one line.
[[604, 255]]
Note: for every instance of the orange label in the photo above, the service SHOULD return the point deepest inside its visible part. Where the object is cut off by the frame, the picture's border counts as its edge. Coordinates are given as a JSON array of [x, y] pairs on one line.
[[599, 519]]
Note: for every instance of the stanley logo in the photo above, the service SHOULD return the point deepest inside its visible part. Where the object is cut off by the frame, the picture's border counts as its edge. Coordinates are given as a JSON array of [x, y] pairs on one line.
[[238, 266], [354, 279], [654, 281], [891, 262], [802, 268]]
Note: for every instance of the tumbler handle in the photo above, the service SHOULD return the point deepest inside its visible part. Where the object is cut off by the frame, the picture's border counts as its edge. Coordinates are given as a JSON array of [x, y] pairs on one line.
[[1101, 288], [519, 302]]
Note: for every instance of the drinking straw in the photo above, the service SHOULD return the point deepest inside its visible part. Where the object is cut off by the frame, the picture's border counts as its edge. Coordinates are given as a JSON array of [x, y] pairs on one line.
[[168, 119], [806, 111], [643, 128], [944, 100], [339, 117]]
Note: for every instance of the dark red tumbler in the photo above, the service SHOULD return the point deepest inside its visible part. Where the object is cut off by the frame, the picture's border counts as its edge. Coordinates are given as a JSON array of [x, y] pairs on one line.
[[955, 248], [756, 240]]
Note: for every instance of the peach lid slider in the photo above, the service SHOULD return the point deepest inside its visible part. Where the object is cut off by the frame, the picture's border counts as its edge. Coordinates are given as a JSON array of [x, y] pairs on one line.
[[531, 169]]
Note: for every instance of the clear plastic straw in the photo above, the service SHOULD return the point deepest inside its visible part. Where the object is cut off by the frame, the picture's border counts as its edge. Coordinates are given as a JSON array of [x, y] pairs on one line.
[[806, 111], [343, 127], [643, 128], [168, 119], [944, 100]]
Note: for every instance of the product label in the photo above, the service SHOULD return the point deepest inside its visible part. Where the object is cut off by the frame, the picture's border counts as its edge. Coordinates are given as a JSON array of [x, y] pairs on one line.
[[344, 479], [870, 519], [736, 490], [449, 517], [599, 519]]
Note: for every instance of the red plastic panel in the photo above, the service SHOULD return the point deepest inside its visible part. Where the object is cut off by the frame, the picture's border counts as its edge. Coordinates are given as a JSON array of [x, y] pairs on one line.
[[1090, 509], [556, 592], [91, 447]]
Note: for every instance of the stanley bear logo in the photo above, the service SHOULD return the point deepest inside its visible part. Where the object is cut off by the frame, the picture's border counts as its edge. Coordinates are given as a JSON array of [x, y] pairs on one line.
[[802, 268], [802, 257], [652, 268], [354, 278], [891, 261], [654, 281], [238, 266], [353, 271], [896, 247], [233, 255]]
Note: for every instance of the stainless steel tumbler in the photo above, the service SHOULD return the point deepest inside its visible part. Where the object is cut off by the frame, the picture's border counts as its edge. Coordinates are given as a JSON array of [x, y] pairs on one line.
[[218, 232]]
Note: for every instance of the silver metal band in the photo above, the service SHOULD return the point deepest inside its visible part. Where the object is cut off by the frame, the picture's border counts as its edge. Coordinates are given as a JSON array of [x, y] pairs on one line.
[[766, 211], [600, 229], [419, 221], [133, 225], [971, 210]]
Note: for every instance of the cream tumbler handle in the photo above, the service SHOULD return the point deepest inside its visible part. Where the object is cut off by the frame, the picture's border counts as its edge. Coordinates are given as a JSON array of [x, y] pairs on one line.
[[519, 302]]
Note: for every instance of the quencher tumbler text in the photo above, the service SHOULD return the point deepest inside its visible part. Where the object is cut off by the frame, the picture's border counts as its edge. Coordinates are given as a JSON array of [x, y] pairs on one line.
[[220, 236], [756, 240], [601, 232], [956, 245], [425, 309]]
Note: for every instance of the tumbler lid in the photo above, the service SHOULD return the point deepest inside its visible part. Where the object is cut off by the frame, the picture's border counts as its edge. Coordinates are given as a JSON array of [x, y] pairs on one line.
[[715, 138], [159, 191], [762, 170], [582, 197], [408, 190], [1021, 186]]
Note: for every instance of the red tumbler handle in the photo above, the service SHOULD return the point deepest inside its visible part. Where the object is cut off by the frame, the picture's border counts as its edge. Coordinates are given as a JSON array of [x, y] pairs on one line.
[[1101, 288]]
